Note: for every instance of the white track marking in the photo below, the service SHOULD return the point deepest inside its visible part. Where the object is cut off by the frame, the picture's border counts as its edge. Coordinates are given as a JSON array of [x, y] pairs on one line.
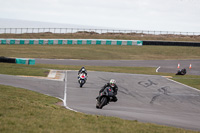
[[183, 84], [65, 94], [65, 90], [157, 69]]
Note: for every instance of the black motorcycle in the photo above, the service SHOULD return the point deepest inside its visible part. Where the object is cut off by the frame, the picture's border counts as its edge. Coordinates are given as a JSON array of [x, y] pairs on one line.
[[104, 97], [82, 79], [181, 72]]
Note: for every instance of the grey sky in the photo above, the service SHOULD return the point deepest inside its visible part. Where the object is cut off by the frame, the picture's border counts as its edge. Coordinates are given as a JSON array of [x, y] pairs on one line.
[[159, 15]]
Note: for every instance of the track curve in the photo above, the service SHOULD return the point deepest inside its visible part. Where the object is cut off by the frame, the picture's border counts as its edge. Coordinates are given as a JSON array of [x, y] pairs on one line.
[[145, 98]]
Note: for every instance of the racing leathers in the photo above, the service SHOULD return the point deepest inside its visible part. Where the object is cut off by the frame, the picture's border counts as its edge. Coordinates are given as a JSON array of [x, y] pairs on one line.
[[82, 70], [115, 89]]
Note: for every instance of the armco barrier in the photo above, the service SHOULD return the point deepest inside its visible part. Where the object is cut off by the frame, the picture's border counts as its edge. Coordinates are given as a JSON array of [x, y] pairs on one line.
[[70, 41]]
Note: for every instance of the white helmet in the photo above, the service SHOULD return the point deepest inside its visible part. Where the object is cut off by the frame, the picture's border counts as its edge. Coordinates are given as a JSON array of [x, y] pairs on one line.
[[112, 82]]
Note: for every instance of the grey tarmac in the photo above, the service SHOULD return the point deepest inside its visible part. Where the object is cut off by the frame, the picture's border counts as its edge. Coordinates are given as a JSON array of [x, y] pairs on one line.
[[146, 98]]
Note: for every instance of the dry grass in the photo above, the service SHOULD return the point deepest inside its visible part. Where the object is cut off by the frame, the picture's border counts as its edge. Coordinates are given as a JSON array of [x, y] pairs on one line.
[[93, 35]]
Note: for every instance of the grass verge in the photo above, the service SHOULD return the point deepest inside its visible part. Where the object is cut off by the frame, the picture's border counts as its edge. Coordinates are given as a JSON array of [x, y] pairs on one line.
[[100, 52]]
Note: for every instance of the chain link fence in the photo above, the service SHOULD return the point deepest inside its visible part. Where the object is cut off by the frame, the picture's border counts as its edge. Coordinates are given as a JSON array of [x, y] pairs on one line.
[[98, 31]]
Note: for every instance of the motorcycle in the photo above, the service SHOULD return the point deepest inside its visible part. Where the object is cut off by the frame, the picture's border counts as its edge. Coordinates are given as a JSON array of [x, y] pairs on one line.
[[181, 72], [104, 97], [82, 79]]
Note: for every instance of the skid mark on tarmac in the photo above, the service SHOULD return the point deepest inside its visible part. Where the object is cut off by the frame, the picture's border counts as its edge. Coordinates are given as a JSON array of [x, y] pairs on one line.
[[147, 83], [162, 91], [129, 93]]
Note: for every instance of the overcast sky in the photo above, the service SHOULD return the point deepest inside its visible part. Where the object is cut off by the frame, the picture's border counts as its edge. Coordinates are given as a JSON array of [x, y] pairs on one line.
[[159, 15]]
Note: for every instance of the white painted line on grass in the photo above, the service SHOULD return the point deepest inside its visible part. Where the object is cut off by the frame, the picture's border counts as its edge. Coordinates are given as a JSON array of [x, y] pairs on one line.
[[157, 69]]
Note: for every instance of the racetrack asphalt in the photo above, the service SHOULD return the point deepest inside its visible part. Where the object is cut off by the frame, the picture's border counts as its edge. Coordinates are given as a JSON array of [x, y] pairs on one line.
[[146, 98]]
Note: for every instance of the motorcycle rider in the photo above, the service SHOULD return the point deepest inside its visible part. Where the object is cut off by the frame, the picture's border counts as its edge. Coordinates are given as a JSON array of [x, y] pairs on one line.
[[113, 85], [82, 70], [181, 72]]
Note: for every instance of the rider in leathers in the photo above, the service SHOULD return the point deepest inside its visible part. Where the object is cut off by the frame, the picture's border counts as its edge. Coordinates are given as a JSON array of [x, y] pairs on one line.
[[113, 85], [82, 70]]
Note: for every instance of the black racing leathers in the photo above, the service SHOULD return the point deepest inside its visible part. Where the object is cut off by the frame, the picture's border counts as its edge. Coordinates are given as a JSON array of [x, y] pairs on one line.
[[115, 89]]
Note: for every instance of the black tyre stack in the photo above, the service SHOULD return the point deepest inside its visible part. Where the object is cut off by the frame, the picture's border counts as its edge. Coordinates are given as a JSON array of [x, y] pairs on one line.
[[7, 60]]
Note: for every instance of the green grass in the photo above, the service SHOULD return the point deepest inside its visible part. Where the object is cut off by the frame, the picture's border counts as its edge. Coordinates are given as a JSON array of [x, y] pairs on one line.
[[26, 111], [18, 69], [190, 80], [100, 52]]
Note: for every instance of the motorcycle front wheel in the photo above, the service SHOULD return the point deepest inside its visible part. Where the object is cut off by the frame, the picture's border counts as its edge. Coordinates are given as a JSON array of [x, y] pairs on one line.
[[81, 85], [103, 102]]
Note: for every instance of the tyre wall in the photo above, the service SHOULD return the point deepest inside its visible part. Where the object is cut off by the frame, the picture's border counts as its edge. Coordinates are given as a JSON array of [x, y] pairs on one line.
[[17, 60], [169, 43], [7, 60]]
